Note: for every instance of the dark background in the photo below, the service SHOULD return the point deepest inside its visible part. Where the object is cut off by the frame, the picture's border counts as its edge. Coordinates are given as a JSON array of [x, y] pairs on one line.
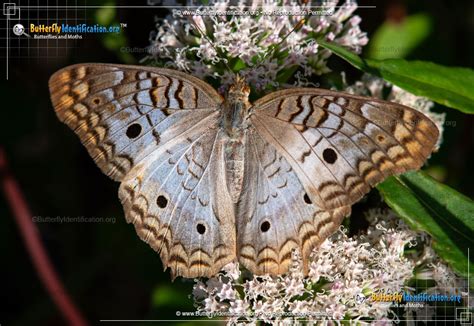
[[108, 271]]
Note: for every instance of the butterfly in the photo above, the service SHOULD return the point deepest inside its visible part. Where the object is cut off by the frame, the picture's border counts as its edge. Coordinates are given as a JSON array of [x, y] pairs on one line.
[[207, 180]]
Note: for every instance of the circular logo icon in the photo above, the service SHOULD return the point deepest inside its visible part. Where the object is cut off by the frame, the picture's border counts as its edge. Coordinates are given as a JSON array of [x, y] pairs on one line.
[[18, 29]]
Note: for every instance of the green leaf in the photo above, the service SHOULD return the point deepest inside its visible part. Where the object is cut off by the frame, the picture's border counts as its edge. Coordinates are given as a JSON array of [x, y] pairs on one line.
[[349, 56], [106, 15], [286, 74], [398, 39], [116, 42], [450, 86], [167, 296], [428, 205], [237, 65]]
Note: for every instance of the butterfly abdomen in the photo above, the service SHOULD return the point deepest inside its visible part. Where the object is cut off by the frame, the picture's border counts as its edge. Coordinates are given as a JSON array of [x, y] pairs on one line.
[[234, 163]]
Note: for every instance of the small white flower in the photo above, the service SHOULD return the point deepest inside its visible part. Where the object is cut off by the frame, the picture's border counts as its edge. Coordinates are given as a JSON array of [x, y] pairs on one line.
[[232, 270], [211, 305], [238, 307], [226, 292], [294, 287], [336, 311], [443, 275], [299, 307], [200, 23]]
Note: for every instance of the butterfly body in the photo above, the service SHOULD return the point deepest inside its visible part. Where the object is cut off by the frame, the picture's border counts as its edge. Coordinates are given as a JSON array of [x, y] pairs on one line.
[[208, 180], [235, 112]]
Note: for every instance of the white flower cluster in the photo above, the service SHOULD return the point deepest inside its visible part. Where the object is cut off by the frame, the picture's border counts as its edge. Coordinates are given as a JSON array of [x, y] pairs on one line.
[[344, 273], [260, 47]]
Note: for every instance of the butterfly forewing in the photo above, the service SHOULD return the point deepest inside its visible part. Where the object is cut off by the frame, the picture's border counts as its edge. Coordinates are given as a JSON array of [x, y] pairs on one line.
[[340, 144], [122, 113]]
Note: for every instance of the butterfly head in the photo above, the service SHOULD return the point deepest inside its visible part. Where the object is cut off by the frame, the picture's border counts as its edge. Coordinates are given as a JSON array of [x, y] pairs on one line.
[[239, 90]]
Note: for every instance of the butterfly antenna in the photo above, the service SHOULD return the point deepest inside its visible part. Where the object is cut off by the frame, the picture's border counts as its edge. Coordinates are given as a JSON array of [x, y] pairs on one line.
[[211, 43]]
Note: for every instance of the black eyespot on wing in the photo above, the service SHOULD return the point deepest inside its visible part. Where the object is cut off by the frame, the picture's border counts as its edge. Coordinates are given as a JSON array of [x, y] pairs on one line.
[[306, 199], [134, 130], [329, 155], [201, 228], [265, 226], [161, 201]]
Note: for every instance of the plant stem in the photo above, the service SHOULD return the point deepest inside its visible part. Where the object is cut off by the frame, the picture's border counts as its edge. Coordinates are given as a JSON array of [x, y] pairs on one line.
[[34, 246]]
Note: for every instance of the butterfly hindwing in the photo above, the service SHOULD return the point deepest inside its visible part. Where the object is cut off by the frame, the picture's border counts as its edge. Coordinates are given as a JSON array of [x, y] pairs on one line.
[[178, 207], [339, 144], [275, 215]]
